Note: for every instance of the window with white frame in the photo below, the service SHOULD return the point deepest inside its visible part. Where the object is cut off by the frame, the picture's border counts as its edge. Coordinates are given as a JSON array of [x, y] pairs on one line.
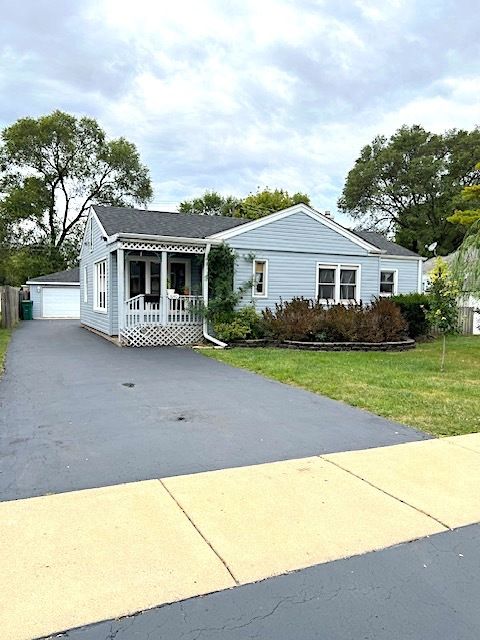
[[326, 282], [388, 282], [338, 283], [85, 283], [260, 274], [90, 234], [100, 286], [348, 284]]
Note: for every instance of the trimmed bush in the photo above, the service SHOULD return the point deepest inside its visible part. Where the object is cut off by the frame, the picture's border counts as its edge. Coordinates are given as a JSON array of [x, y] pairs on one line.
[[245, 324], [306, 320], [298, 319], [414, 308]]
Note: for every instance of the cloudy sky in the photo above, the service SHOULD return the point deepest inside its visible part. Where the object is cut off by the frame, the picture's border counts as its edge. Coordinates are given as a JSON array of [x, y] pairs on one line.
[[233, 95]]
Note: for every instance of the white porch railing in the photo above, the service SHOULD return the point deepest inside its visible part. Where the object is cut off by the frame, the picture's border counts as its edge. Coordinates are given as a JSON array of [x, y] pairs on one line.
[[173, 311]]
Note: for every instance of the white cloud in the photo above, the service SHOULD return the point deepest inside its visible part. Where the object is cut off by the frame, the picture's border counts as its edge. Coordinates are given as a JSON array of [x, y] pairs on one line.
[[235, 95]]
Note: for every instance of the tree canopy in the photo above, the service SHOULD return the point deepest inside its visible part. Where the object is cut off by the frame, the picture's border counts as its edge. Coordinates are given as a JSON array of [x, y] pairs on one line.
[[255, 205], [52, 168], [469, 203], [409, 184], [210, 204]]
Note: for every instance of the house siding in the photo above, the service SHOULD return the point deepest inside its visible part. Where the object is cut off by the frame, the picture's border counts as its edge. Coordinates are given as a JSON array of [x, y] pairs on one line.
[[293, 274], [297, 233], [94, 319], [407, 273], [36, 298]]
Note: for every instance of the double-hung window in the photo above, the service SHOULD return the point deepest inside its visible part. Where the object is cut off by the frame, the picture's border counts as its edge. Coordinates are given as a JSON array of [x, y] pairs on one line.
[[85, 283], [100, 286], [388, 283], [260, 275], [348, 284], [338, 283], [326, 282]]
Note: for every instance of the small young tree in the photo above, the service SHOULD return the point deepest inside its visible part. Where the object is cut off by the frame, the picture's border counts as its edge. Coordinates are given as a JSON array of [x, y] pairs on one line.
[[443, 312]]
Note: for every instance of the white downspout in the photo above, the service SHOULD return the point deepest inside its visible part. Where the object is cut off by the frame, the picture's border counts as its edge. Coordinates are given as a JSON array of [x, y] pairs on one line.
[[219, 344]]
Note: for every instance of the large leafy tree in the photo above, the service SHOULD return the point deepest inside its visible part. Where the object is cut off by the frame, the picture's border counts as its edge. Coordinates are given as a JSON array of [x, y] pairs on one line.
[[255, 205], [408, 185], [468, 203], [52, 168], [211, 203], [266, 201]]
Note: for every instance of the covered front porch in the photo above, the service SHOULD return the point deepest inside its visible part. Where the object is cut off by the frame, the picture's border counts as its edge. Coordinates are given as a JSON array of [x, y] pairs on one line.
[[162, 291]]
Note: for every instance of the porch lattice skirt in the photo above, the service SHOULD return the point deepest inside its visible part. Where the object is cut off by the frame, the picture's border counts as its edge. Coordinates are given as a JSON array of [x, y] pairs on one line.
[[162, 336]]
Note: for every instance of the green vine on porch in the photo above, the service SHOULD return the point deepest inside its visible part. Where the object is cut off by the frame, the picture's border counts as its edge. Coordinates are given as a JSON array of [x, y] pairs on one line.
[[223, 299]]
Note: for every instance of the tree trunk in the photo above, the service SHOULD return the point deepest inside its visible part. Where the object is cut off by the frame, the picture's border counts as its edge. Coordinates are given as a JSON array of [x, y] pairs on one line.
[[444, 347]]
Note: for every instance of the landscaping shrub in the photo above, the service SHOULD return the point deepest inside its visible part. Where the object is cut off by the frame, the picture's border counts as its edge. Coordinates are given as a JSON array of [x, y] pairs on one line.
[[414, 308], [306, 320], [298, 319], [245, 324]]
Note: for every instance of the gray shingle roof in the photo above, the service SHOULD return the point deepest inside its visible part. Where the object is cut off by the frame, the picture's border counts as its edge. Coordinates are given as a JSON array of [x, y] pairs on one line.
[[380, 241], [70, 275], [162, 223]]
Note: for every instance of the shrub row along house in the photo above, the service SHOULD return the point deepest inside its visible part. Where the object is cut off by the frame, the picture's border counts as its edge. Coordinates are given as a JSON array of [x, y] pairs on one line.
[[144, 274]]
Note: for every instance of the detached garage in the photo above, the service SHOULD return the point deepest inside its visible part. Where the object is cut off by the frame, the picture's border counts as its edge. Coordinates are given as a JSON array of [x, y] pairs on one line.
[[56, 295]]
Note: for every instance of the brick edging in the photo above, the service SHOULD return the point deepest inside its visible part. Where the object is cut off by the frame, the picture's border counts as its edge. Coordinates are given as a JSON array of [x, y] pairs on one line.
[[403, 345]]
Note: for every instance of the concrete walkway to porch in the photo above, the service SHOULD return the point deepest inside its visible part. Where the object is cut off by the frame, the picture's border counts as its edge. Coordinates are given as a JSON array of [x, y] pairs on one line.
[[80, 557]]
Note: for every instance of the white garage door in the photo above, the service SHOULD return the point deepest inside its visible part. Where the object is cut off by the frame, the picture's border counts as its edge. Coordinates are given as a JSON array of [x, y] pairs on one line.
[[61, 302]]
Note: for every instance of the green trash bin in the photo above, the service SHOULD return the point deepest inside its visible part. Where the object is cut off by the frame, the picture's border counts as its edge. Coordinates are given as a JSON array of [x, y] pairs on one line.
[[27, 309]]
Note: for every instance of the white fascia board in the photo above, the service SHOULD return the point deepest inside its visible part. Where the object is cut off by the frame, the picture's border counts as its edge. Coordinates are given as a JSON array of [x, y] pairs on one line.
[[97, 219], [92, 213], [391, 256], [285, 213], [63, 284], [118, 237]]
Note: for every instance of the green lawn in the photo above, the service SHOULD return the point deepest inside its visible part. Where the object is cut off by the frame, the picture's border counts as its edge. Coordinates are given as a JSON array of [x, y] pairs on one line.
[[407, 387], [4, 338]]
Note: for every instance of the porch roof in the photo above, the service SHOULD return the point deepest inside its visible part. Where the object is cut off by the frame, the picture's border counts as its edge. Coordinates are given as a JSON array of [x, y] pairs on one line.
[[122, 220]]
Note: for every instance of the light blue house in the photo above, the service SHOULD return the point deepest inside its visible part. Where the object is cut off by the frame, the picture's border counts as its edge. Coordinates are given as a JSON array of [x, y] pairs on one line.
[[144, 274]]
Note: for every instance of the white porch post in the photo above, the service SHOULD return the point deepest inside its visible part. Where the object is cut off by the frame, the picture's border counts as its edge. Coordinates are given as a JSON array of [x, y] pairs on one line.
[[205, 285], [121, 288], [163, 287]]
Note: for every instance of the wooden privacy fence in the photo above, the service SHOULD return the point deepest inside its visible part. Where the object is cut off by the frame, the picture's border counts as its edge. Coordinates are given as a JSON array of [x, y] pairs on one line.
[[465, 322], [9, 306]]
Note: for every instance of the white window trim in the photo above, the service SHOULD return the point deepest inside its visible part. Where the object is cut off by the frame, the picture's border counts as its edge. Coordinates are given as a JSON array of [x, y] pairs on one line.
[[265, 288], [337, 267], [85, 284], [95, 285], [148, 271], [395, 283], [188, 270], [90, 234]]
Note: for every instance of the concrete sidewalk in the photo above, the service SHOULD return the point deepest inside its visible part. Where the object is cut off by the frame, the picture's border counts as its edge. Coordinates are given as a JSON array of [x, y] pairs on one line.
[[76, 558]]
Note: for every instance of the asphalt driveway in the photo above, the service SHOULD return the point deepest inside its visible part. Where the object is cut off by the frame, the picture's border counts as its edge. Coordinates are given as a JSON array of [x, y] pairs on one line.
[[78, 412]]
